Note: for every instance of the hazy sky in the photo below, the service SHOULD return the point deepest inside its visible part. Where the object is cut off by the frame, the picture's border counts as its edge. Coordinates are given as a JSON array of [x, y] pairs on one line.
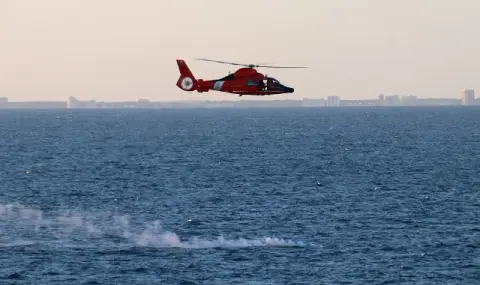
[[125, 49]]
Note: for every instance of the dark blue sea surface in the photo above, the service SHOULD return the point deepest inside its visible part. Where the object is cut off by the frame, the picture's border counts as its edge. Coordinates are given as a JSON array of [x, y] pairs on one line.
[[240, 196]]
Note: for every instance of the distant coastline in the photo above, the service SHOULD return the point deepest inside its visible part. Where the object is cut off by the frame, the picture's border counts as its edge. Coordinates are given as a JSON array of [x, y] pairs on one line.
[[331, 101]]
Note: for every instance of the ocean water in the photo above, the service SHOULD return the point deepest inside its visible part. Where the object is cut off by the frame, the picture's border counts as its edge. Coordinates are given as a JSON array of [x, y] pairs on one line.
[[239, 196]]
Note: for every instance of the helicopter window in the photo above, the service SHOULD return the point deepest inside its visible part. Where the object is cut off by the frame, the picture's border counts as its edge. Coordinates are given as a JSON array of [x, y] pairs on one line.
[[251, 83]]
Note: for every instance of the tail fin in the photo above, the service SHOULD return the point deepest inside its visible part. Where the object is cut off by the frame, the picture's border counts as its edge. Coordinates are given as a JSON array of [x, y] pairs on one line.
[[186, 81]]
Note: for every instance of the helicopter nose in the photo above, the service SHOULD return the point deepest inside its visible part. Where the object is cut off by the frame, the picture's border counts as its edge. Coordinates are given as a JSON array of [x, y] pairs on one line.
[[290, 90]]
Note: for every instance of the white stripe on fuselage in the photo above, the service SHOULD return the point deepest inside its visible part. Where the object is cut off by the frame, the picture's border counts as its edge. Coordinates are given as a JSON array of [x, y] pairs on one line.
[[218, 85]]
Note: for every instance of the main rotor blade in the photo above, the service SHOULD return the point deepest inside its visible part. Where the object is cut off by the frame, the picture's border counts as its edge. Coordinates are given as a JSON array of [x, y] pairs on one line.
[[218, 61], [269, 66], [249, 65]]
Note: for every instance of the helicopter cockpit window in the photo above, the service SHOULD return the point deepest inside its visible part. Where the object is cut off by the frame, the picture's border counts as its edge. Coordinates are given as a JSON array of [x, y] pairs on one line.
[[274, 82]]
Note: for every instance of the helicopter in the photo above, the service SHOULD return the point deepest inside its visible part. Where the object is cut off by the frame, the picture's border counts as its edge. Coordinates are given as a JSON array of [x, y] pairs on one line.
[[245, 81]]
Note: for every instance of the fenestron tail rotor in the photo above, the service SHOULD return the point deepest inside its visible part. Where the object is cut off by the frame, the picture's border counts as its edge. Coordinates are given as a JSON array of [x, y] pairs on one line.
[[249, 65]]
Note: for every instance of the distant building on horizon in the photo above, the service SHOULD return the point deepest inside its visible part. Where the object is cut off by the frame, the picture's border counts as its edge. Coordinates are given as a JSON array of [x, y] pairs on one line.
[[3, 102], [392, 100], [409, 100], [333, 101], [313, 102], [73, 103], [381, 100], [468, 97]]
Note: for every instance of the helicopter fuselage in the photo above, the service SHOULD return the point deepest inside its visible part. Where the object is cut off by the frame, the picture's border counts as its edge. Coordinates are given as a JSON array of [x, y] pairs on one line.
[[245, 81]]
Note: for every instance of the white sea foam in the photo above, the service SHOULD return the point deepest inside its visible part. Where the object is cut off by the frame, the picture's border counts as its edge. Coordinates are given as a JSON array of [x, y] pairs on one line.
[[169, 239], [18, 222], [16, 243]]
